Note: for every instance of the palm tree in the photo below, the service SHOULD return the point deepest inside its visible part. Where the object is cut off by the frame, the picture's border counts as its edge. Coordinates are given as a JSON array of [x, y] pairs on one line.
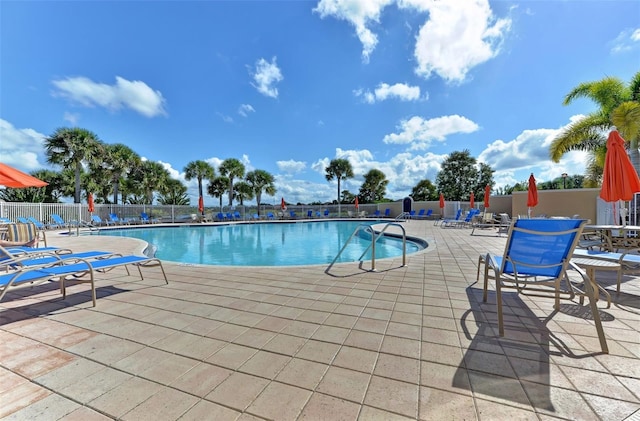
[[243, 191], [231, 168], [261, 181], [339, 169], [619, 106], [217, 187], [70, 148], [174, 194], [150, 176], [120, 159], [199, 170]]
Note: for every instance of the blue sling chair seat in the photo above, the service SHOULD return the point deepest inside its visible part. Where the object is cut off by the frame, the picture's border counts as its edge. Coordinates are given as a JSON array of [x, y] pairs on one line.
[[535, 262], [63, 270]]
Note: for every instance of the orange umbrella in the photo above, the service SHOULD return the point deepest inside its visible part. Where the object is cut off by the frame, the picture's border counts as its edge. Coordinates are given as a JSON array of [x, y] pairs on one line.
[[201, 205], [283, 205], [532, 197], [441, 205], [357, 203], [90, 204], [472, 201], [11, 177], [619, 178], [487, 193]]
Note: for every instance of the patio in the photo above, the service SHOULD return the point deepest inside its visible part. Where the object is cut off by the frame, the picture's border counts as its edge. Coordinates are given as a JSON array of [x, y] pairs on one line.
[[229, 343]]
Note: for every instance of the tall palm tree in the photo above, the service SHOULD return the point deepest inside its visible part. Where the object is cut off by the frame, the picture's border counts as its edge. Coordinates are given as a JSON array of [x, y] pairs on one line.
[[70, 148], [217, 187], [200, 170], [149, 177], [120, 159], [174, 194], [261, 181], [231, 168], [339, 169], [243, 191], [619, 106]]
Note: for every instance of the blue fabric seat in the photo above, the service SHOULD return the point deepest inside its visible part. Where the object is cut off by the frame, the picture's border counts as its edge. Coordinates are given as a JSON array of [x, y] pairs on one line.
[[535, 262]]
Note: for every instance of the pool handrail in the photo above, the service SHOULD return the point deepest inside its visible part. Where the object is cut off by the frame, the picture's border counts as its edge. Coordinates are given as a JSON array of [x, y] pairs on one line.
[[372, 246]]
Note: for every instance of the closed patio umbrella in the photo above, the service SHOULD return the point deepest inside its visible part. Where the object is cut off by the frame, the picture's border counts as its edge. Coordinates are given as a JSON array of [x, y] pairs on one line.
[[532, 196], [201, 205], [90, 203], [283, 205], [441, 205], [357, 206], [619, 178], [472, 201], [487, 193], [11, 177]]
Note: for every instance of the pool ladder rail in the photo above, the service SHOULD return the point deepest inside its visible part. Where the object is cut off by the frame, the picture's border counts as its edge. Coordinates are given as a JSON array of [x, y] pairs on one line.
[[375, 236]]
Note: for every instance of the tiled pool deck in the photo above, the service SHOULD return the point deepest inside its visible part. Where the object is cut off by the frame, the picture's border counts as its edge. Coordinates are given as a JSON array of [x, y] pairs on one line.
[[225, 343]]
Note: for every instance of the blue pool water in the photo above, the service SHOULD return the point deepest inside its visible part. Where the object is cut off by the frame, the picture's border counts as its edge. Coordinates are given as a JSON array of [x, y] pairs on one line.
[[264, 244]]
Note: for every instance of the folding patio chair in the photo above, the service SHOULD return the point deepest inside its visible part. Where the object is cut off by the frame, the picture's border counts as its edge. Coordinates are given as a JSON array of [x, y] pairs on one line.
[[535, 262]]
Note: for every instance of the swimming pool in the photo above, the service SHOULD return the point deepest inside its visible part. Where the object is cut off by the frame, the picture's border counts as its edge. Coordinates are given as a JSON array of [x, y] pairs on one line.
[[264, 244]]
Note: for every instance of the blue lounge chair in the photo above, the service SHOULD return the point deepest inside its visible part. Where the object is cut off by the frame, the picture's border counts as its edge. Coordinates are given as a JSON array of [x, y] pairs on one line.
[[318, 214], [270, 216], [377, 213], [292, 215], [115, 219], [309, 214], [387, 213], [58, 222], [420, 214], [237, 216], [326, 213], [451, 222], [77, 269], [146, 219], [4, 220], [37, 223], [535, 262], [96, 220], [8, 259], [429, 214]]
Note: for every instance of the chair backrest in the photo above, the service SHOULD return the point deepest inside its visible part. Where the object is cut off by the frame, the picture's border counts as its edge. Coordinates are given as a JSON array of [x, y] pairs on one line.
[[57, 219], [23, 220], [421, 212], [429, 212], [387, 212], [114, 217], [35, 222], [144, 216], [541, 247], [21, 232], [309, 214]]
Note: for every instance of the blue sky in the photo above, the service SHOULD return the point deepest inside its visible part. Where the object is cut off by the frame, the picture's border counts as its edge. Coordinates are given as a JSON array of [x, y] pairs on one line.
[[286, 86]]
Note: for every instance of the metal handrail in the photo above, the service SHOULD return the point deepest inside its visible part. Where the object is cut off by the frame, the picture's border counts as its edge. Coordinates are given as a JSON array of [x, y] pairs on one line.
[[374, 240]]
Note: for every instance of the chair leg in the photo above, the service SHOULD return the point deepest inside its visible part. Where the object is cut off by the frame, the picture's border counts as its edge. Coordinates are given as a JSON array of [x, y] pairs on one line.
[[596, 315], [499, 305]]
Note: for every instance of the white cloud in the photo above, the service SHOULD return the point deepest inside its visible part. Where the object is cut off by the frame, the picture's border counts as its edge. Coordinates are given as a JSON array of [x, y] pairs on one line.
[[265, 76], [457, 36], [22, 148], [358, 13], [72, 118], [626, 41], [385, 91], [245, 109], [529, 152], [420, 132], [224, 117], [291, 166], [135, 95]]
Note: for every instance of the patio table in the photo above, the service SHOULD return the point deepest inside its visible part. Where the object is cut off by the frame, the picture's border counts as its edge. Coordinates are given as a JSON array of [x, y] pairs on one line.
[[618, 237], [590, 266]]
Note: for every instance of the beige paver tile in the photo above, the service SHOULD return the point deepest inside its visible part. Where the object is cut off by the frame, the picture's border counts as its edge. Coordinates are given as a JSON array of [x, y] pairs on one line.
[[20, 397], [238, 391], [169, 369], [346, 384], [331, 334], [371, 325], [285, 344], [105, 349], [356, 359], [166, 404], [558, 402], [302, 373], [368, 413], [397, 367], [205, 410], [499, 389], [608, 408], [280, 401], [265, 364], [83, 413], [442, 354], [51, 407], [401, 346], [131, 393], [440, 404], [142, 360], [37, 360], [94, 385], [364, 340], [394, 396], [201, 379], [67, 374], [326, 407], [254, 338], [489, 410], [445, 377], [322, 352], [231, 356]]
